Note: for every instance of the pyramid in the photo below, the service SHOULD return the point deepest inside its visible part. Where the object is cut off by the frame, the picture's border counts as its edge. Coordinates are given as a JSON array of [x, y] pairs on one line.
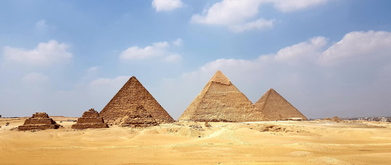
[[129, 98], [220, 100], [39, 121], [139, 117], [90, 119], [275, 107]]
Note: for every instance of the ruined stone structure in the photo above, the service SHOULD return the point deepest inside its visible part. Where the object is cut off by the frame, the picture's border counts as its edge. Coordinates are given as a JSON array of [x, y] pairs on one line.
[[90, 119], [336, 119], [128, 99], [220, 100], [275, 107], [139, 117], [39, 121]]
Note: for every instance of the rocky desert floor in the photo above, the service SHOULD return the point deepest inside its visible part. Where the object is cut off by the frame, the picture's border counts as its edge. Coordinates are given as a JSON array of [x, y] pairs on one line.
[[310, 142]]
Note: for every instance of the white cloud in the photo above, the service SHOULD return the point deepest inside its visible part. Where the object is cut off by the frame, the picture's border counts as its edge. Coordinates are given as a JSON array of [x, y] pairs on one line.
[[166, 5], [359, 45], [228, 12], [237, 14], [354, 47], [304, 51], [93, 69], [258, 24], [137, 53], [156, 50], [289, 6], [178, 42], [43, 55], [35, 78], [117, 82]]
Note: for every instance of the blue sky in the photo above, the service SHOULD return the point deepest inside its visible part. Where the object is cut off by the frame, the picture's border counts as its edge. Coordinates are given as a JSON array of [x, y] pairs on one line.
[[327, 57]]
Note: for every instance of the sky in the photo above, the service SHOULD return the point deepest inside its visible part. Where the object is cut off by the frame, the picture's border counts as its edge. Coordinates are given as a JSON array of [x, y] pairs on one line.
[[326, 57]]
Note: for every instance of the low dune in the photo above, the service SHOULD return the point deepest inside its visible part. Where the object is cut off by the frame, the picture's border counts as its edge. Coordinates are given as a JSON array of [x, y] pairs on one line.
[[293, 142]]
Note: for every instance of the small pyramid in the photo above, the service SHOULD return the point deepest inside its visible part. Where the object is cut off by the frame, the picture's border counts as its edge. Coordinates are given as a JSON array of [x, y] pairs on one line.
[[90, 119], [39, 121], [275, 107], [139, 118], [220, 100], [129, 97]]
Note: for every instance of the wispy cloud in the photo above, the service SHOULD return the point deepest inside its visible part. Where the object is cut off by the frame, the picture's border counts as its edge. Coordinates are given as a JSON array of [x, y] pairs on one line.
[[290, 6], [41, 24], [166, 5], [158, 49], [44, 54], [239, 16], [255, 25]]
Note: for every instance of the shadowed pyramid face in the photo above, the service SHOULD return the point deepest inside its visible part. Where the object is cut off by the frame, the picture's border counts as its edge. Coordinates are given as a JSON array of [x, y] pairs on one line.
[[220, 100], [128, 99]]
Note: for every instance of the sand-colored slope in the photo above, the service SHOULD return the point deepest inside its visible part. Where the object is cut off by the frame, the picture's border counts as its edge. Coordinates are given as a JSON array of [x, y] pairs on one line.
[[275, 107], [132, 95], [220, 100], [223, 143]]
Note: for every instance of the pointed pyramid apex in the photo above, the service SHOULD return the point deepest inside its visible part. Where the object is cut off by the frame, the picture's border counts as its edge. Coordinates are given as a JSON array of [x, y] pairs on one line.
[[133, 79], [220, 78]]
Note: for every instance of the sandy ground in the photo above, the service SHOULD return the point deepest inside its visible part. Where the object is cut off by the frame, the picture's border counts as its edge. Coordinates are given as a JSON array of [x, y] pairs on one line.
[[223, 143]]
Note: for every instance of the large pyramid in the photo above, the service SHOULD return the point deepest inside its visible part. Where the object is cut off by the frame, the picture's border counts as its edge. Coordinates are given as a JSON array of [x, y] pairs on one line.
[[275, 107], [128, 99], [220, 100]]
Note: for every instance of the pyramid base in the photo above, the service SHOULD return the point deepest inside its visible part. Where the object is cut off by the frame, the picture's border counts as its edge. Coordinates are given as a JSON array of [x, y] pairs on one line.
[[138, 125], [38, 127], [212, 120], [89, 125]]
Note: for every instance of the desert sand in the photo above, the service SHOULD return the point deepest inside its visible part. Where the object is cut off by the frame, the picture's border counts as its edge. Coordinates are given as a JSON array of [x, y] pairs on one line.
[[286, 142]]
